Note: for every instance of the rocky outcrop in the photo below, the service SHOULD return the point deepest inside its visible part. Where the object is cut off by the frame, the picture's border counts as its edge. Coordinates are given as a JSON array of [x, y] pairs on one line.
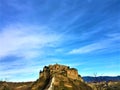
[[59, 77], [53, 70]]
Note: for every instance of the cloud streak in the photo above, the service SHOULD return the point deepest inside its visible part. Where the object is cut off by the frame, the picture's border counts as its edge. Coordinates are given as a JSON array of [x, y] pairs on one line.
[[97, 46], [87, 49], [26, 40]]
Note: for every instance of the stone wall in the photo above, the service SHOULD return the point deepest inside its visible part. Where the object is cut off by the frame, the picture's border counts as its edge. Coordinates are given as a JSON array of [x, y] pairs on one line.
[[73, 74], [59, 69]]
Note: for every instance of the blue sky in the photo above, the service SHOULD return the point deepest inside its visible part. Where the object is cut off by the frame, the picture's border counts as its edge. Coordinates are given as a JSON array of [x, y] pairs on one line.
[[84, 34]]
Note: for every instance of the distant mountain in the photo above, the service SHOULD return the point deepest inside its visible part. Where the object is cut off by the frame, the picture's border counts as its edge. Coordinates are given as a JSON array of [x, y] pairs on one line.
[[101, 78]]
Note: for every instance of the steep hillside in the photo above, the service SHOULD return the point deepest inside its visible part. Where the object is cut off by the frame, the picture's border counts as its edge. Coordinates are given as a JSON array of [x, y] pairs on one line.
[[59, 77]]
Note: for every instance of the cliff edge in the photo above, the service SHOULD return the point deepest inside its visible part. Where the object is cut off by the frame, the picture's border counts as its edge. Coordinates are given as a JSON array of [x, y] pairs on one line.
[[59, 77]]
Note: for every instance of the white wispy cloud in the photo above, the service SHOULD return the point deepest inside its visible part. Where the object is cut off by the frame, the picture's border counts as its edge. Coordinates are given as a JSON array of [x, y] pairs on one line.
[[87, 49], [99, 45], [26, 40]]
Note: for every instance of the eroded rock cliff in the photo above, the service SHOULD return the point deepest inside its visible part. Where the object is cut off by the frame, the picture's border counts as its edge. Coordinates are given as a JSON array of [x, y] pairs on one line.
[[59, 77]]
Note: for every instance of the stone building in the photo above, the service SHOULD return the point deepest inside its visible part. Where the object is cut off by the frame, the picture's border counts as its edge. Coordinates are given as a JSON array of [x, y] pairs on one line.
[[59, 77], [72, 73], [57, 69]]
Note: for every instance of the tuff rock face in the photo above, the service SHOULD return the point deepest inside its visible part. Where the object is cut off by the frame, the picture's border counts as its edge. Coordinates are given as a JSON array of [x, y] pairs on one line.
[[59, 77]]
